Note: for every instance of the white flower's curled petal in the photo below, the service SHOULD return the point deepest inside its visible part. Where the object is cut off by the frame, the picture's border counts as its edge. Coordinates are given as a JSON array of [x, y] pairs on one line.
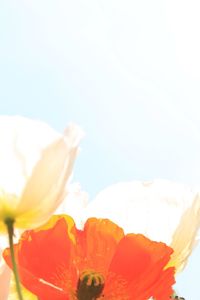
[[185, 236], [35, 165], [21, 142], [73, 134], [46, 187]]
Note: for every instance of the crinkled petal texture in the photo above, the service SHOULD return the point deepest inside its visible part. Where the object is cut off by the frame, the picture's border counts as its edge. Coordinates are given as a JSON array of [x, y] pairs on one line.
[[35, 165], [52, 258], [140, 206]]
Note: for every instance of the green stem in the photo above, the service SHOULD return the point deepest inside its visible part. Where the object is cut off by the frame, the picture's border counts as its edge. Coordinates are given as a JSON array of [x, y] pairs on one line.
[[9, 223]]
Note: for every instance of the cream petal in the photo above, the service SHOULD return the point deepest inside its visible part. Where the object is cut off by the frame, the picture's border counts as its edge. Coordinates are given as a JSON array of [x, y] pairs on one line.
[[21, 143], [185, 236], [45, 189], [152, 208]]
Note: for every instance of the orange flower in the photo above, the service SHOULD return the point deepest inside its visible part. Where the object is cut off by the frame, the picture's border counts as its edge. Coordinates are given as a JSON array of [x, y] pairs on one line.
[[60, 262]]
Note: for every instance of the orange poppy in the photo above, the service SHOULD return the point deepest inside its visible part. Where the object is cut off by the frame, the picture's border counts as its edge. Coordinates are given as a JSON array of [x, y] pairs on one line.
[[60, 262]]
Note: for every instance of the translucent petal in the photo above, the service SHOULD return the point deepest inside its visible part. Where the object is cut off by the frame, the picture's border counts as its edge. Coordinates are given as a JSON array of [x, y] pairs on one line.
[[152, 208]]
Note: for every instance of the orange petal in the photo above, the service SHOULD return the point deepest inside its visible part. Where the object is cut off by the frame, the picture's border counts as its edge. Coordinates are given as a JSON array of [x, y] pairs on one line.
[[42, 289], [162, 288], [97, 243], [141, 262], [44, 257]]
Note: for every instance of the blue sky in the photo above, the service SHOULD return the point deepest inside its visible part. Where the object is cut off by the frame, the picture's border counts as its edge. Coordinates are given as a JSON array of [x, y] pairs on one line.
[[127, 71]]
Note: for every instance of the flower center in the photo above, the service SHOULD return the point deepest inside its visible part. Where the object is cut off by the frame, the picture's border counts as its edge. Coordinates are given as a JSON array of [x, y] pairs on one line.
[[90, 285]]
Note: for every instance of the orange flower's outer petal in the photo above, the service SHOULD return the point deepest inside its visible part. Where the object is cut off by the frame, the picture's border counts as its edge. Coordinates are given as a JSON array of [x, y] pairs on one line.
[[44, 255], [141, 263], [97, 244]]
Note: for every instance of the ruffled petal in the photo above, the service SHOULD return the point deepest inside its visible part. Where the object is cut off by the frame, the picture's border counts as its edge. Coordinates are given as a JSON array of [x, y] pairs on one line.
[[141, 263], [44, 258], [45, 189], [97, 243]]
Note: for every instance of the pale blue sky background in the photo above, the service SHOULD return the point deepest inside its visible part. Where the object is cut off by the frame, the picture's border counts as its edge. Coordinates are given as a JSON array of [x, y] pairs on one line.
[[127, 71]]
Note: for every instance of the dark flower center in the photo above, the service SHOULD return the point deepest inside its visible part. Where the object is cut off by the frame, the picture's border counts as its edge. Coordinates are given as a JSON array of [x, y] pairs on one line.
[[90, 285], [176, 297]]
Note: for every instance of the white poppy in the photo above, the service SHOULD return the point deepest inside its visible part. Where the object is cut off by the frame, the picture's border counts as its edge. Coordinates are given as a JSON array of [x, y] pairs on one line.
[[161, 210], [35, 165]]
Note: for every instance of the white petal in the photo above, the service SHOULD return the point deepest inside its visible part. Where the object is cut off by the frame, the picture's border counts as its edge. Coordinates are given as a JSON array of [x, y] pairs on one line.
[[45, 189], [21, 142], [185, 235], [152, 208]]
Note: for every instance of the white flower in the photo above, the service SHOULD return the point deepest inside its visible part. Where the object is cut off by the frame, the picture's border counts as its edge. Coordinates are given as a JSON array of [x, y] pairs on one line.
[[35, 165], [162, 210]]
